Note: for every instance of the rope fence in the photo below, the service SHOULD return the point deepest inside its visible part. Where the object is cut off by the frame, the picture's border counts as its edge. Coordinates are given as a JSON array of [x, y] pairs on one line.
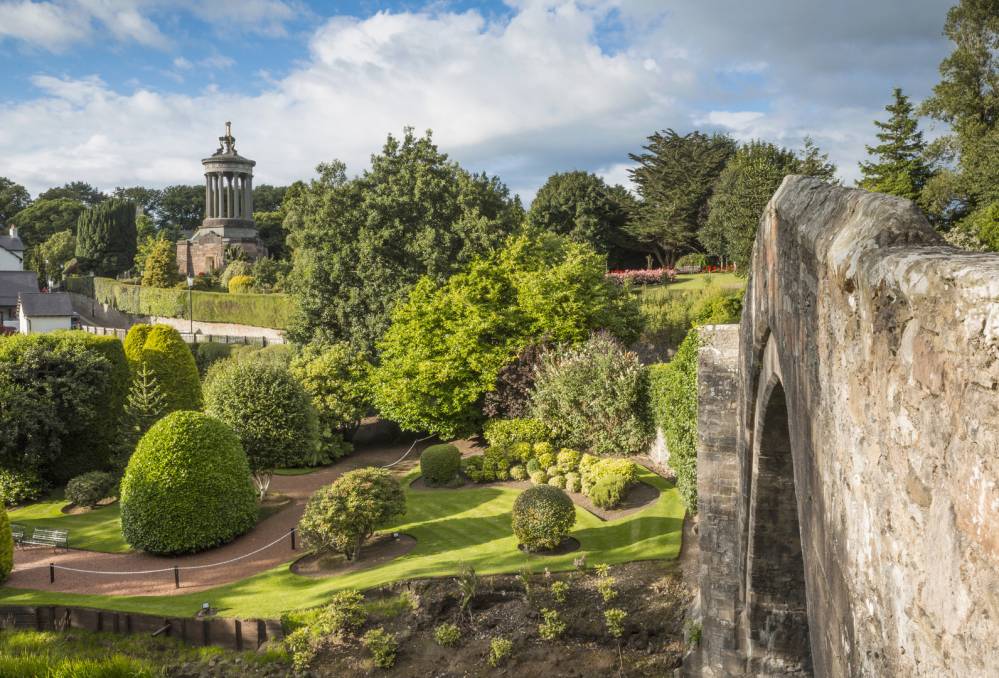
[[176, 569]]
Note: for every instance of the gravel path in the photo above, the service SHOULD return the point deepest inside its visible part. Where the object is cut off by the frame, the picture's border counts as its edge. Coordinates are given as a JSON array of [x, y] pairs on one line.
[[31, 565]]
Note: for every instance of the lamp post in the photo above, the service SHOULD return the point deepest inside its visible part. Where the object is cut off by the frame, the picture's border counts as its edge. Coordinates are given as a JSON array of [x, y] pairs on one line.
[[190, 304]]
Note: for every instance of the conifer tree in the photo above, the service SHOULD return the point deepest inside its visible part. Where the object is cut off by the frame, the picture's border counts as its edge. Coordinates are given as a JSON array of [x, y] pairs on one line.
[[106, 237], [897, 165], [143, 408]]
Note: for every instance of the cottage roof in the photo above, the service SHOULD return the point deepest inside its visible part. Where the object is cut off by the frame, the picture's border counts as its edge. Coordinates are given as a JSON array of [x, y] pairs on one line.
[[11, 243], [13, 283], [39, 305]]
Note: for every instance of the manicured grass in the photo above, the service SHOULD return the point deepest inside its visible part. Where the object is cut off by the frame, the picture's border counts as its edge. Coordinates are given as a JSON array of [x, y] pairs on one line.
[[304, 471], [693, 283], [450, 526], [96, 530]]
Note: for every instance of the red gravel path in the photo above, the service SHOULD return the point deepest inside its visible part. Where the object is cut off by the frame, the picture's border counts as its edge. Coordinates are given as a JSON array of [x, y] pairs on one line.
[[31, 565]]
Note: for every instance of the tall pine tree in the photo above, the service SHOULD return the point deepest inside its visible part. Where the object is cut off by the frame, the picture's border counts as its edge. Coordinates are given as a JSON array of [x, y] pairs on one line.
[[897, 165], [106, 237]]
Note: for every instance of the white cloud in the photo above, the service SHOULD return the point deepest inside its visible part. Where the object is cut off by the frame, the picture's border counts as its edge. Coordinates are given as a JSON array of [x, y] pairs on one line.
[[42, 24], [521, 97], [182, 63]]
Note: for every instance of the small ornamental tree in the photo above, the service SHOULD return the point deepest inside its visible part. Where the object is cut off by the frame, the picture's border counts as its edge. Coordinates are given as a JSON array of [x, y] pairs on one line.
[[187, 487], [171, 362], [593, 397], [160, 268], [268, 410], [6, 545], [341, 516], [440, 464], [511, 397], [144, 406], [542, 517], [338, 379]]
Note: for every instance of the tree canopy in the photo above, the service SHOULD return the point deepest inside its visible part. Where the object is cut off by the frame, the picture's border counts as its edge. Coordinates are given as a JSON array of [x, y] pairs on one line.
[[13, 198], [106, 237], [80, 191], [360, 244], [182, 207], [897, 165], [447, 343], [675, 177]]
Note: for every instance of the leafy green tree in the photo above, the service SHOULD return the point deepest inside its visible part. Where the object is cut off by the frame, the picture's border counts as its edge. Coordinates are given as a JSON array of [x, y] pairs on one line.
[[79, 191], [447, 343], [267, 198], [675, 177], [360, 244], [55, 253], [812, 162], [270, 229], [42, 219], [745, 186], [160, 268], [967, 98], [340, 517], [13, 198], [269, 411], [583, 207], [897, 165], [181, 208], [106, 237], [147, 199], [338, 379]]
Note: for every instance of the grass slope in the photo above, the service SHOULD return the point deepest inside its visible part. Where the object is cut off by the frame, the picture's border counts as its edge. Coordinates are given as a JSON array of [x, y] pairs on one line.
[[450, 526], [96, 530], [693, 283]]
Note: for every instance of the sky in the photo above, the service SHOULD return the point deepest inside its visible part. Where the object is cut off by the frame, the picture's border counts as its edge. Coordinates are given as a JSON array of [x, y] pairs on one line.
[[136, 92]]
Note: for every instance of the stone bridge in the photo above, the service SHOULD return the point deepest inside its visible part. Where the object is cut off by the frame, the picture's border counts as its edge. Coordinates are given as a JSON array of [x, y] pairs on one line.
[[849, 449]]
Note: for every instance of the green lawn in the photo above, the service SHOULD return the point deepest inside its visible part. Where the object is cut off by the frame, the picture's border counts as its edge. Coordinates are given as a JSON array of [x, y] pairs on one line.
[[693, 283], [96, 530], [450, 526]]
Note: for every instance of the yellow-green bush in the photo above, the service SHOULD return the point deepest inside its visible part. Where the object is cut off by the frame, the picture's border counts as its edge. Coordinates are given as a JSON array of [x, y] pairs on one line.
[[170, 361], [241, 284], [6, 545]]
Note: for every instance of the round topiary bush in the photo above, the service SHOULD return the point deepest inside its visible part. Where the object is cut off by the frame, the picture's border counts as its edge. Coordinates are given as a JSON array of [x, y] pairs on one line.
[[6, 545], [538, 477], [268, 410], [542, 517], [518, 472], [173, 364], [187, 487], [89, 488], [440, 464]]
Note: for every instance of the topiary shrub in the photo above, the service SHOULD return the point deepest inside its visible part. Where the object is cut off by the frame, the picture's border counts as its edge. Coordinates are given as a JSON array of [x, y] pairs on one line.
[[187, 487], [19, 487], [600, 469], [572, 482], [532, 466], [507, 432], [341, 516], [546, 461], [496, 464], [241, 284], [472, 468], [161, 348], [518, 472], [6, 546], [542, 517], [538, 477], [268, 410], [89, 488], [440, 464], [568, 460], [608, 492], [557, 480], [522, 452], [593, 397]]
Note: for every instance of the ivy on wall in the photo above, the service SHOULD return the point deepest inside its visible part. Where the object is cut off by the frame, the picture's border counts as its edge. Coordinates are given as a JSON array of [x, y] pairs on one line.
[[673, 409]]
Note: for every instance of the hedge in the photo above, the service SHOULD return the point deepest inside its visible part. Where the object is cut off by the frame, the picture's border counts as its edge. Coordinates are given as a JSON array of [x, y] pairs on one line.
[[6, 545], [187, 487], [673, 409], [171, 361], [259, 310]]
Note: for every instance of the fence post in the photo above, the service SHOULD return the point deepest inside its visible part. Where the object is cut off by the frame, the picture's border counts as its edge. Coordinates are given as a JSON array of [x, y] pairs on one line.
[[292, 533], [176, 577], [51, 573]]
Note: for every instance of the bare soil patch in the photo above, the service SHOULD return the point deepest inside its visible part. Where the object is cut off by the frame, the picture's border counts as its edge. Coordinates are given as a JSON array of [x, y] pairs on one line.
[[74, 510], [376, 551]]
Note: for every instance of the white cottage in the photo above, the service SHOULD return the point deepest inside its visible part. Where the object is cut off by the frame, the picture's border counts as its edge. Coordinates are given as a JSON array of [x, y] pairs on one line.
[[11, 252], [38, 312]]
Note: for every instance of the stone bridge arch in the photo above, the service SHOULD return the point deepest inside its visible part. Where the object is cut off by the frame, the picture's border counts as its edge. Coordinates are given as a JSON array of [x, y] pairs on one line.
[[848, 459]]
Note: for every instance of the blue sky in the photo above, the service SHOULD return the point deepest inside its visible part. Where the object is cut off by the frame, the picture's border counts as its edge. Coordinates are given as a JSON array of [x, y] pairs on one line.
[[126, 92]]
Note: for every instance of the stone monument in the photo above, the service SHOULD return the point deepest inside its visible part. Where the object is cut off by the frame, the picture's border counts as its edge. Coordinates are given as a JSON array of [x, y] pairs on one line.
[[228, 228]]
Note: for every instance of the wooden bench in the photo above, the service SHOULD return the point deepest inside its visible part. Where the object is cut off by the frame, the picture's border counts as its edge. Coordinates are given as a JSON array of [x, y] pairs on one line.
[[53, 538], [17, 531]]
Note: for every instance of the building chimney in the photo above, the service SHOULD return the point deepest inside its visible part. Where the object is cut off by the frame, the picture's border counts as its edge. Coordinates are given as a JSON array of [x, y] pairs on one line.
[[13, 231]]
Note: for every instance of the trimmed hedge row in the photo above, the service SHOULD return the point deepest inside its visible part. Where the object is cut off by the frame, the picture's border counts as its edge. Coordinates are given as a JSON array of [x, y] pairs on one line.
[[259, 310]]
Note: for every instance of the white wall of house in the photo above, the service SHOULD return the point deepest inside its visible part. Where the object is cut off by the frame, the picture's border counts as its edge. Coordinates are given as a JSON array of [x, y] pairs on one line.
[[42, 325], [10, 261]]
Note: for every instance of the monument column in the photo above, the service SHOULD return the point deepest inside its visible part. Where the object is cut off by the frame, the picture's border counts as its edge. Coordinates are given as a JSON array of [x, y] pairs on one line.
[[237, 197], [208, 194]]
